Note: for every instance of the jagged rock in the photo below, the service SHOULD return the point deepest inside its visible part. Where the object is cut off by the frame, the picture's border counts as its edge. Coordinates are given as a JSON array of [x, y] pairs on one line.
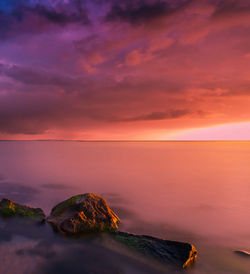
[[9, 208], [83, 213], [173, 253]]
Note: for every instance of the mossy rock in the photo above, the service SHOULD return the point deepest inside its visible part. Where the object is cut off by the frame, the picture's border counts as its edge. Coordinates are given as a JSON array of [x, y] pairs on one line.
[[83, 213], [173, 253], [10, 209], [59, 209]]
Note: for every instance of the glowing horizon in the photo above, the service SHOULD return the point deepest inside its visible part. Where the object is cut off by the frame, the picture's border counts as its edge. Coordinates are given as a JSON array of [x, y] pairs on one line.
[[228, 132]]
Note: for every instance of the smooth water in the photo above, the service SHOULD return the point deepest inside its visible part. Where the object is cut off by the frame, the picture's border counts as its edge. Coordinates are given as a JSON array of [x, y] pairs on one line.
[[196, 192]]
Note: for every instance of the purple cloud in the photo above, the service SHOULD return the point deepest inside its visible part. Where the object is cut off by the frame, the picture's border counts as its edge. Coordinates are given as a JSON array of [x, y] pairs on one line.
[[86, 66]]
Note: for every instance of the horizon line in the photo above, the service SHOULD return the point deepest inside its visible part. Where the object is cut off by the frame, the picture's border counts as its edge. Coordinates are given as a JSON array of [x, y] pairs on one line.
[[72, 140]]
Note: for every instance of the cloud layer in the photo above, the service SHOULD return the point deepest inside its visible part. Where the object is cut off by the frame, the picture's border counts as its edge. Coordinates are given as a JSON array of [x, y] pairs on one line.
[[122, 69]]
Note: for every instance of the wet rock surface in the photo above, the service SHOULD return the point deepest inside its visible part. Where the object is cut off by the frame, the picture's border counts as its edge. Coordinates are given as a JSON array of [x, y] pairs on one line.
[[170, 252], [10, 209], [90, 213], [83, 213], [242, 253]]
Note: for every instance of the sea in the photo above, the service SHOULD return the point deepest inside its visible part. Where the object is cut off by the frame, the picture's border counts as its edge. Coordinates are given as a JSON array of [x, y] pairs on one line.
[[195, 192]]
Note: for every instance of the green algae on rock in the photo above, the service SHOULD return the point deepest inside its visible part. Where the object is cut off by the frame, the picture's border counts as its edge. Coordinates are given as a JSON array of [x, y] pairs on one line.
[[9, 208], [83, 213], [173, 253]]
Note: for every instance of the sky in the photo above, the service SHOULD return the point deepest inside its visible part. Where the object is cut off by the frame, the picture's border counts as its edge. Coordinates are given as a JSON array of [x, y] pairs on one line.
[[125, 70]]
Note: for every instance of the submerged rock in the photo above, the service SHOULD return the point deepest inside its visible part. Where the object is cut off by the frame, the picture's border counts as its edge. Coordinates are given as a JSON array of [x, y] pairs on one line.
[[173, 253], [90, 213], [242, 253], [83, 213], [9, 208]]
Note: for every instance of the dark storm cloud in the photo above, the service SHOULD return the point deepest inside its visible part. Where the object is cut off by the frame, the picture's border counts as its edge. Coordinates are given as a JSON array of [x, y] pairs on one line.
[[35, 113], [136, 59], [143, 11], [33, 76], [26, 113], [21, 126], [62, 18], [171, 114], [138, 13], [39, 100], [19, 17], [231, 7]]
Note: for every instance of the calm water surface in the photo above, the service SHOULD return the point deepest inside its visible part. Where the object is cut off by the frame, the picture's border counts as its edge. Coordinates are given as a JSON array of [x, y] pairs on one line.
[[189, 191]]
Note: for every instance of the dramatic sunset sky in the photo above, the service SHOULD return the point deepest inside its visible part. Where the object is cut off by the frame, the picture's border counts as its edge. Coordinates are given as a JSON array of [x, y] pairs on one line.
[[125, 69]]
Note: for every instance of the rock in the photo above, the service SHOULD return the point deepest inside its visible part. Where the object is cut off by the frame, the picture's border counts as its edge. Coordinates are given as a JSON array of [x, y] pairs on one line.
[[83, 213], [173, 253], [242, 253], [10, 209]]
